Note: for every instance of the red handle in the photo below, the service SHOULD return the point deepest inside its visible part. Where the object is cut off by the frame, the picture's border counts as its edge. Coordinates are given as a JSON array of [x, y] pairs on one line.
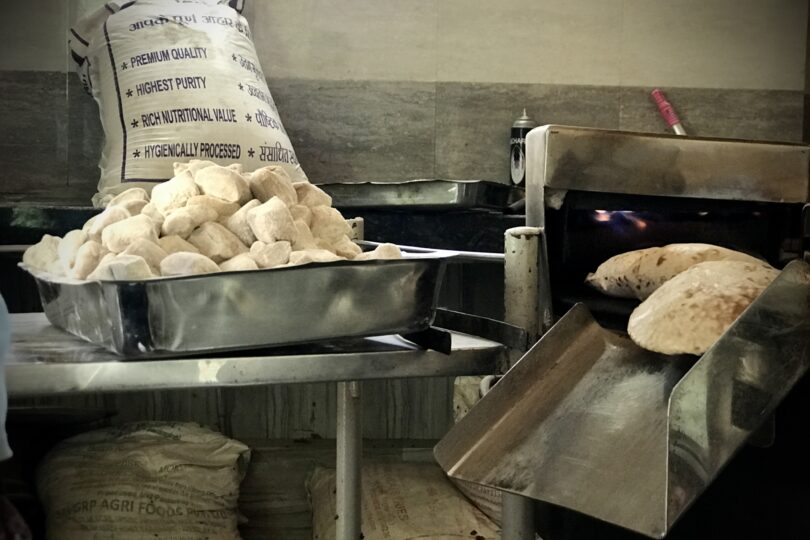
[[665, 108]]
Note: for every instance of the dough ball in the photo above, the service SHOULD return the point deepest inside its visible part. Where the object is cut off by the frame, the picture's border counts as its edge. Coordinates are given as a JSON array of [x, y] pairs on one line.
[[129, 195], [151, 252], [175, 244], [313, 256], [155, 215], [381, 252], [179, 168], [272, 181], [196, 165], [223, 183], [302, 213], [182, 221], [222, 208], [216, 242], [238, 223], [311, 195], [272, 222], [119, 235], [113, 214], [122, 268], [42, 254], [134, 207], [303, 238], [68, 247], [88, 258], [186, 264], [270, 255], [328, 224], [174, 193], [243, 261], [346, 248]]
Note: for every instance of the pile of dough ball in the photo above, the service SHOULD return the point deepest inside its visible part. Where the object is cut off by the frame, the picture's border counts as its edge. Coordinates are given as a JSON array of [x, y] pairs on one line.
[[206, 219]]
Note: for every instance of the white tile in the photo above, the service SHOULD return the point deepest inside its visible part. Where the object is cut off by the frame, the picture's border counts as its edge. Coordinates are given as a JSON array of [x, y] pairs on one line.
[[747, 44], [347, 40], [532, 41]]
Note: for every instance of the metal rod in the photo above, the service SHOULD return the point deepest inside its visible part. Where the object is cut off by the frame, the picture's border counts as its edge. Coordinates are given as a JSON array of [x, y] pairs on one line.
[[349, 452], [517, 516], [527, 304], [527, 291]]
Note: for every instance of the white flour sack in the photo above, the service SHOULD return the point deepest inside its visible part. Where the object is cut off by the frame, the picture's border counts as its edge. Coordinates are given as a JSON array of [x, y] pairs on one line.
[[143, 480], [177, 80]]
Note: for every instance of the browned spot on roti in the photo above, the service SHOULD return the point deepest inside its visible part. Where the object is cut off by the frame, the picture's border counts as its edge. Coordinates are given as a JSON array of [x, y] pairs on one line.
[[661, 260]]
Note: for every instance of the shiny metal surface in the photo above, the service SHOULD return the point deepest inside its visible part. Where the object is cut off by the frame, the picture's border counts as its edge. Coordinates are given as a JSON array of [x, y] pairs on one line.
[[421, 194], [589, 421], [45, 361], [239, 310], [348, 484], [587, 159]]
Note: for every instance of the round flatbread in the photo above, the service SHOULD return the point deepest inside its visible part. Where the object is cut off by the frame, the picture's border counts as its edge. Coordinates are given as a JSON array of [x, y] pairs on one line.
[[690, 312], [637, 274]]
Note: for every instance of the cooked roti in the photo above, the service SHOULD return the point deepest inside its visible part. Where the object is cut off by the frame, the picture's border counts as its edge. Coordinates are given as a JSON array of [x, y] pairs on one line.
[[637, 274], [689, 313]]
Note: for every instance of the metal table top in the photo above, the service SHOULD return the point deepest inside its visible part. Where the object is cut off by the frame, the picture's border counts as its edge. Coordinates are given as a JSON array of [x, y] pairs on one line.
[[45, 361]]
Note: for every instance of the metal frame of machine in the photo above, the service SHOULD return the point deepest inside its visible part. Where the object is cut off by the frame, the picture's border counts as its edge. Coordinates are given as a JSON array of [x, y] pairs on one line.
[[589, 421]]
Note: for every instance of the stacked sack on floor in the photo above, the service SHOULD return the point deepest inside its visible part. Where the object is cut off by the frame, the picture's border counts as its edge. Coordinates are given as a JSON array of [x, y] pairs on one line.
[[207, 218], [143, 480]]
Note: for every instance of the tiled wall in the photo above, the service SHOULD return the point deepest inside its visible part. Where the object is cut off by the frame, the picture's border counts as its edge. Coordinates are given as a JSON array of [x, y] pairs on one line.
[[402, 89]]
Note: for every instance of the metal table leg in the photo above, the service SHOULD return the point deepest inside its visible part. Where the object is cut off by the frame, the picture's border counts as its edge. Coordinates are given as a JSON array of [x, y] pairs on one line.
[[517, 517], [349, 444], [349, 454]]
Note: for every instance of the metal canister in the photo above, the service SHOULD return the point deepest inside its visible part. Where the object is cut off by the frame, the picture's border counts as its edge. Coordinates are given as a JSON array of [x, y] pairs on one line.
[[517, 148]]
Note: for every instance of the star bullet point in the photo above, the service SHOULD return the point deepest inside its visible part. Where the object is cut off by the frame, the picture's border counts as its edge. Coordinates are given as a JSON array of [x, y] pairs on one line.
[[234, 57], [241, 87], [248, 117], [136, 154], [251, 152], [134, 123], [129, 92], [123, 66]]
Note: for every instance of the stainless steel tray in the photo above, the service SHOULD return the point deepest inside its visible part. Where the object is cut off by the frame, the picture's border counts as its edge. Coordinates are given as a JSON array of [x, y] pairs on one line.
[[240, 310], [421, 194], [589, 421]]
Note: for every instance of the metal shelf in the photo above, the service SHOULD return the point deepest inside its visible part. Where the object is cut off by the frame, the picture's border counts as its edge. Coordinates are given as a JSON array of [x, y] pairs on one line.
[[47, 361]]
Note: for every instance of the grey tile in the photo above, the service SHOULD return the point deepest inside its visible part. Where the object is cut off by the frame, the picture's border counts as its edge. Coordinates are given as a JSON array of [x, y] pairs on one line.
[[473, 121], [33, 35], [360, 40], [745, 114], [85, 142], [717, 44], [806, 117], [526, 41], [33, 133], [359, 130]]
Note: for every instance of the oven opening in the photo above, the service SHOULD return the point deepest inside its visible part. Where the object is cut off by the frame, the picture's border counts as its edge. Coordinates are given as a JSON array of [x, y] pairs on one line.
[[590, 228]]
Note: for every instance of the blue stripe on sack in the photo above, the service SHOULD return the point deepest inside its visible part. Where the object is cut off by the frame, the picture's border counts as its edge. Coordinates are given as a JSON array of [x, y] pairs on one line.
[[80, 38], [76, 58], [120, 105]]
